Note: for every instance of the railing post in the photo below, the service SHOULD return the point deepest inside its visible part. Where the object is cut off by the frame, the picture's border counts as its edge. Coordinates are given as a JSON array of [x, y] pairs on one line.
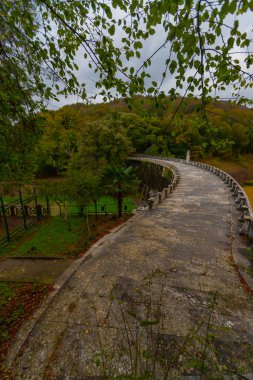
[[36, 205], [151, 203], [5, 220], [22, 208], [247, 228]]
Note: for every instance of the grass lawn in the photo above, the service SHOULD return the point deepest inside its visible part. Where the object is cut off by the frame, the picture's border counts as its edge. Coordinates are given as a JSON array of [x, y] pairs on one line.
[[105, 204], [56, 237], [11, 199], [52, 237]]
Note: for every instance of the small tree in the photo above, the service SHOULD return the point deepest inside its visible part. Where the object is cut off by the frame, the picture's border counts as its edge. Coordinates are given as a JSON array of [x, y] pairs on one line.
[[62, 194], [86, 188], [121, 180]]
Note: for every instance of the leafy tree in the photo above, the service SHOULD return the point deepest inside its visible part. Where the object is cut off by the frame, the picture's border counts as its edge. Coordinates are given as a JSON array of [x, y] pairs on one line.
[[61, 193], [103, 134], [41, 39], [101, 143], [86, 188], [120, 180], [18, 149], [140, 129], [58, 141]]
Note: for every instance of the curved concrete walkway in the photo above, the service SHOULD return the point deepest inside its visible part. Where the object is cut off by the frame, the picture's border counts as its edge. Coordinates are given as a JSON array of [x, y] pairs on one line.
[[160, 295]]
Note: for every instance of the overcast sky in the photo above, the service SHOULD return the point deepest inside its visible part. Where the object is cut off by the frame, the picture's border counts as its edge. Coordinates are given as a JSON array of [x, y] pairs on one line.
[[86, 75]]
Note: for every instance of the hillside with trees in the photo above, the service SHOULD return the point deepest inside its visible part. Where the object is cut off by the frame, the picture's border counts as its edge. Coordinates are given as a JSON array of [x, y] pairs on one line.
[[51, 49], [92, 136]]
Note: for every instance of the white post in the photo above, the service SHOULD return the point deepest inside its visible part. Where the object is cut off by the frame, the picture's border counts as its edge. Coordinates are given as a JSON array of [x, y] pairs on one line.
[[188, 156]]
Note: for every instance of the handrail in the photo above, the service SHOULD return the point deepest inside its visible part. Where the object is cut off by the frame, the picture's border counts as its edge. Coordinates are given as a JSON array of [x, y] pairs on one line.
[[243, 203]]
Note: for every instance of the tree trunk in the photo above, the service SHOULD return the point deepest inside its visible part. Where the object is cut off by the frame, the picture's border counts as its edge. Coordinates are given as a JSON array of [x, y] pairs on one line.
[[65, 212], [87, 221], [120, 203]]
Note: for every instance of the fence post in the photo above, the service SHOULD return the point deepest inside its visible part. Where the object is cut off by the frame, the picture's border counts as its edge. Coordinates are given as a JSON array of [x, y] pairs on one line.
[[22, 208], [36, 204], [48, 206], [5, 220]]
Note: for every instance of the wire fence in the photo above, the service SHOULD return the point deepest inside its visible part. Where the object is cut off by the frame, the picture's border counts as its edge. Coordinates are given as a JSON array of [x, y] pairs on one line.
[[20, 213]]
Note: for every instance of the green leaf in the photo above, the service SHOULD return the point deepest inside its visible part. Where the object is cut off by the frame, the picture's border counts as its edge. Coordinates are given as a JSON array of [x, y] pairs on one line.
[[230, 43], [173, 66], [138, 45], [107, 10], [111, 30]]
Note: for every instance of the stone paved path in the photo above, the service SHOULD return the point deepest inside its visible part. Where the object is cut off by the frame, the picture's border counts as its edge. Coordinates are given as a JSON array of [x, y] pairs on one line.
[[159, 296]]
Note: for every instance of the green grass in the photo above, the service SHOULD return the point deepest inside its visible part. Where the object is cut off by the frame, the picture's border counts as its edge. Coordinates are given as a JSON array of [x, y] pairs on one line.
[[105, 200], [6, 293], [105, 204], [54, 238], [59, 238], [17, 314], [10, 199]]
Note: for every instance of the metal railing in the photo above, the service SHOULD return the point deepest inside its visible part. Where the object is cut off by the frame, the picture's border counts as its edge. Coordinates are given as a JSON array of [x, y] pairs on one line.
[[20, 214]]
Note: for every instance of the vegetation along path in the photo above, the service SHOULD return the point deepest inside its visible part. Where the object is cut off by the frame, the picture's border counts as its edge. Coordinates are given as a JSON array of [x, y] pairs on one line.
[[159, 297]]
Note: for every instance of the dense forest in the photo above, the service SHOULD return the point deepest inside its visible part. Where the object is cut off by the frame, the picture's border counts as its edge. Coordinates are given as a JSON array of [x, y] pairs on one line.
[[108, 133], [160, 51], [85, 140]]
